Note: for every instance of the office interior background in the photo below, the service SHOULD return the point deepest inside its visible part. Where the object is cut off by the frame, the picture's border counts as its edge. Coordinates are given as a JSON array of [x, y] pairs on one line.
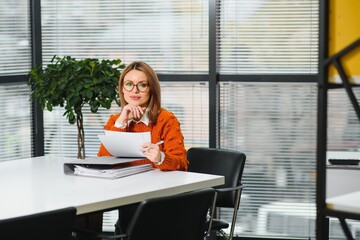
[[239, 74]]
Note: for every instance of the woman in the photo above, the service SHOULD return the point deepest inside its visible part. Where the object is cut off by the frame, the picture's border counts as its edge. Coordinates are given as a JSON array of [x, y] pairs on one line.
[[139, 91], [140, 98]]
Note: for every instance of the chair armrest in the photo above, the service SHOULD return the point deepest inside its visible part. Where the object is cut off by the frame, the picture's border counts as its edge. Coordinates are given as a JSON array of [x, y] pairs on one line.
[[237, 190], [229, 189], [87, 232]]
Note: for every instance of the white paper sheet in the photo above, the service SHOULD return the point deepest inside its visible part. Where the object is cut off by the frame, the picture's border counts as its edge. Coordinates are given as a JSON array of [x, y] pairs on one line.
[[124, 144]]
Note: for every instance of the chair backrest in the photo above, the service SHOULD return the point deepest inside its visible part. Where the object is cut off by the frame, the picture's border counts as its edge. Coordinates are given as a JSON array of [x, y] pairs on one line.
[[54, 225], [227, 163], [175, 217]]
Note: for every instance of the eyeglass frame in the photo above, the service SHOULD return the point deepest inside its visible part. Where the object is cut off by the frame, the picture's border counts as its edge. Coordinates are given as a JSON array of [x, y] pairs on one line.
[[136, 85]]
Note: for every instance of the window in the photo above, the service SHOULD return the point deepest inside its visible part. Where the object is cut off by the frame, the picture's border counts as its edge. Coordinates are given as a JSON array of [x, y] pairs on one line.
[[268, 37], [15, 39], [15, 121], [274, 123], [343, 124], [15, 62], [171, 36]]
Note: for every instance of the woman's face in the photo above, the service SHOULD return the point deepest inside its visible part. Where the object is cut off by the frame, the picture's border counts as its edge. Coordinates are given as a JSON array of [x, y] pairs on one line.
[[137, 96]]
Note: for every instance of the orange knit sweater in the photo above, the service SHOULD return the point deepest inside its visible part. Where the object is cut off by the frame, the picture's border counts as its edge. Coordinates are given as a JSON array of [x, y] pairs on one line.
[[167, 128]]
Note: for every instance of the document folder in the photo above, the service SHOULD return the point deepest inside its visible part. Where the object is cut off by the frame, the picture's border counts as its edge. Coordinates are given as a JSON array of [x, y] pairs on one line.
[[105, 167]]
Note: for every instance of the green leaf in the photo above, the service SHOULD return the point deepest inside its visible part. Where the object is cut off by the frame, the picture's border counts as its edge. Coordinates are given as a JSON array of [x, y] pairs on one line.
[[94, 108], [49, 107], [71, 83], [89, 93], [71, 117]]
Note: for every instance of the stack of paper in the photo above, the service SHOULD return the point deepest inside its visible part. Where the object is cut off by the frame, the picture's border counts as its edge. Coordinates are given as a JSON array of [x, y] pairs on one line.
[[111, 173], [105, 167]]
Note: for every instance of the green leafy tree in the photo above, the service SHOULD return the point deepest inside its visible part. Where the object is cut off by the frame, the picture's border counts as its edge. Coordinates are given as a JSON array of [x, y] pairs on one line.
[[71, 83]]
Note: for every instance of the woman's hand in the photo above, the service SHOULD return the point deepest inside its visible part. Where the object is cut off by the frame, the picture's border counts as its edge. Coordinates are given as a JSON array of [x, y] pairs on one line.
[[130, 112], [151, 152]]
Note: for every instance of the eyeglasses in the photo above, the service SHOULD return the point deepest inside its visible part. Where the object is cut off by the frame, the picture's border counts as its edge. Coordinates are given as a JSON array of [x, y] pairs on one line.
[[141, 86]]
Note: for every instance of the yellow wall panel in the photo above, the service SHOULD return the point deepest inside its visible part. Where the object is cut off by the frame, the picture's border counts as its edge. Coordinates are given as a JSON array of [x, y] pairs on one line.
[[344, 28]]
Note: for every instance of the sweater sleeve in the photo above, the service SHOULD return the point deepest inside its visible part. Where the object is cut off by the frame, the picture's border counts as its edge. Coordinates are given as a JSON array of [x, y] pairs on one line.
[[173, 147]]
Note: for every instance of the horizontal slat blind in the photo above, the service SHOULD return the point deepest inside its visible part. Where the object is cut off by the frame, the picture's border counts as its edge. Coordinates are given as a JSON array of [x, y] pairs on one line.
[[190, 103], [343, 124], [171, 36], [15, 119], [274, 124], [61, 137], [15, 37], [268, 37]]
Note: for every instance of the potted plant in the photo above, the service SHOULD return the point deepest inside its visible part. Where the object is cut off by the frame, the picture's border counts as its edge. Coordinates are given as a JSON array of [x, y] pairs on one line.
[[71, 83]]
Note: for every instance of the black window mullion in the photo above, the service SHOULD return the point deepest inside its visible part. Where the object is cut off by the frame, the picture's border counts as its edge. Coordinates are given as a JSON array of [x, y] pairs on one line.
[[269, 78], [213, 74], [36, 45]]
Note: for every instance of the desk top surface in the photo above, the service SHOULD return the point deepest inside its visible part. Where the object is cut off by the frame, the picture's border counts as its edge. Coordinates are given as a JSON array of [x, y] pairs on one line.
[[349, 202], [39, 184]]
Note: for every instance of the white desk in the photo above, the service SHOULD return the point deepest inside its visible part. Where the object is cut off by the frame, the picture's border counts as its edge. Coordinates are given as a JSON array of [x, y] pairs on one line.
[[342, 183], [39, 184], [342, 190], [342, 180], [349, 202]]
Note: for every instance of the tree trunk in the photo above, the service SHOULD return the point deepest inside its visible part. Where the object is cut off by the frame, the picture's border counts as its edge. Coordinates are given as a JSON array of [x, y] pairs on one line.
[[81, 136]]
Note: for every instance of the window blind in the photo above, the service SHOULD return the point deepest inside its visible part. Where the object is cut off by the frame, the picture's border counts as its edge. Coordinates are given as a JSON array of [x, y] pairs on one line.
[[274, 124], [171, 36], [15, 37], [268, 37], [15, 118], [343, 123], [15, 59]]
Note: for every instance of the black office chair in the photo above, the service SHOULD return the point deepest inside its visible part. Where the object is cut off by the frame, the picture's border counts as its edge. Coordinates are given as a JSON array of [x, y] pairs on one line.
[[228, 163], [54, 225], [175, 217]]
